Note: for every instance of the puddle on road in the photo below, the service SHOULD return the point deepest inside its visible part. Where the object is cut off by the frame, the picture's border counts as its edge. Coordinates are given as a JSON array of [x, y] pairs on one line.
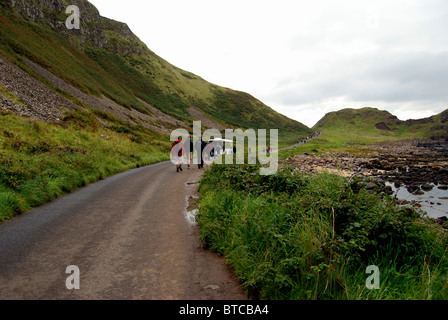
[[191, 202], [434, 202], [191, 209]]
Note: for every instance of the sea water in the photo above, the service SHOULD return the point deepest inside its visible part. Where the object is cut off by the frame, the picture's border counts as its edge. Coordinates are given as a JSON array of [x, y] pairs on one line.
[[434, 202]]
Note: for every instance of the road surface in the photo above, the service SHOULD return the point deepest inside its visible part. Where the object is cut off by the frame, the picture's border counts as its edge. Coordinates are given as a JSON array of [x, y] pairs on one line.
[[127, 235]]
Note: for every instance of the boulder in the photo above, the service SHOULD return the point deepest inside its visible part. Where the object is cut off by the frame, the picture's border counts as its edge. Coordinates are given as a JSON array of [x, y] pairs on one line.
[[388, 190], [442, 221], [371, 186], [413, 188]]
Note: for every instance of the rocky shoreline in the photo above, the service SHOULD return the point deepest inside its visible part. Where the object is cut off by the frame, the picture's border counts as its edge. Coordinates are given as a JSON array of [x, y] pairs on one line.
[[419, 165]]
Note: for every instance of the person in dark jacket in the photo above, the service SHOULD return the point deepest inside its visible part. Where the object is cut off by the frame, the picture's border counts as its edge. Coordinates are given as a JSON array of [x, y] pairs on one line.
[[199, 146]]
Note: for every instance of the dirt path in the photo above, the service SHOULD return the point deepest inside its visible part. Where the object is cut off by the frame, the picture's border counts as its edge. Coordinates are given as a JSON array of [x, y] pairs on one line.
[[300, 143], [128, 236]]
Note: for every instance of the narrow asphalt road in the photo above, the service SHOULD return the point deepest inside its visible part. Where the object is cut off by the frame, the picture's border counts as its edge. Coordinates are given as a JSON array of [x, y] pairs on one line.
[[128, 236]]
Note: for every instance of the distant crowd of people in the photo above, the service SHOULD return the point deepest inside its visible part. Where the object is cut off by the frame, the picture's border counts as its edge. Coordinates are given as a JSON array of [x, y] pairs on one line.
[[315, 135]]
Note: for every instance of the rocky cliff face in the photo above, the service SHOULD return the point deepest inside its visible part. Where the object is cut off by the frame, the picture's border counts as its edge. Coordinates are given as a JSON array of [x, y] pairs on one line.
[[95, 30]]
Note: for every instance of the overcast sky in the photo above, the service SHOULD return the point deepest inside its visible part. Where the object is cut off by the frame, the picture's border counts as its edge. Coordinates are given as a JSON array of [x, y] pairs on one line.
[[304, 58]]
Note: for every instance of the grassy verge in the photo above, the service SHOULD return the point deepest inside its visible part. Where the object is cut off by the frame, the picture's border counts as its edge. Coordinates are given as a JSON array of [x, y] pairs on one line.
[[40, 162], [312, 237]]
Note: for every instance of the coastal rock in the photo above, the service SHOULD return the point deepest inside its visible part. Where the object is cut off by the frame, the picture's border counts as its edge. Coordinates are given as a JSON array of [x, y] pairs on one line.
[[413, 188], [442, 221], [389, 190], [371, 186]]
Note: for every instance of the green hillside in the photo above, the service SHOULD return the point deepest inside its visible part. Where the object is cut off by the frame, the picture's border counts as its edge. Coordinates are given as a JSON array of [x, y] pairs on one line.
[[349, 129], [366, 124], [105, 58], [369, 125]]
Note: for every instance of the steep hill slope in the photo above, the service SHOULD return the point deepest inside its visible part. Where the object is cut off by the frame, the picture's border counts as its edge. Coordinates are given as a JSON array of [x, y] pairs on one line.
[[104, 60]]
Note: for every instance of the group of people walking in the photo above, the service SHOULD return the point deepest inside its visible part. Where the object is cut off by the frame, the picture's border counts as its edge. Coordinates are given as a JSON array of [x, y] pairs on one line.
[[180, 150], [309, 138]]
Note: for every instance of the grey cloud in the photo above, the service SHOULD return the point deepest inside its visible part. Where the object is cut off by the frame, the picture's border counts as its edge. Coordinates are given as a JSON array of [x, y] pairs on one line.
[[388, 77], [403, 77]]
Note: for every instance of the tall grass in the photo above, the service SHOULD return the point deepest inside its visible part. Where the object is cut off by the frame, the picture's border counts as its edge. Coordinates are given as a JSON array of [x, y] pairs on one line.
[[312, 237], [40, 161]]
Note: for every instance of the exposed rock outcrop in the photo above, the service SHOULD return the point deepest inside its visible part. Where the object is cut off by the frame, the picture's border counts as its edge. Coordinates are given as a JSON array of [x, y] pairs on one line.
[[93, 30]]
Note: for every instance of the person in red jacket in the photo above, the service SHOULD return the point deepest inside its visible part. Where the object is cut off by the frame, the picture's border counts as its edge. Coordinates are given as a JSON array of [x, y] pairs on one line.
[[177, 152]]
